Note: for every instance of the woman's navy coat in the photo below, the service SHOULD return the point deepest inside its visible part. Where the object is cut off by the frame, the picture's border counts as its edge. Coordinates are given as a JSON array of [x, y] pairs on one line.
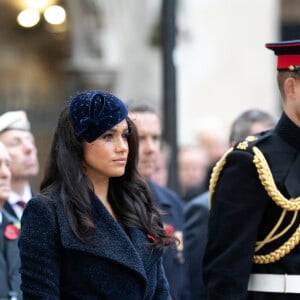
[[56, 265]]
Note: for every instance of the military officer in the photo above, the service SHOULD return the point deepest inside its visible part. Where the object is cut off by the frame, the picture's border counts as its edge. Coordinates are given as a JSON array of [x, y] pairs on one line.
[[253, 249], [16, 135]]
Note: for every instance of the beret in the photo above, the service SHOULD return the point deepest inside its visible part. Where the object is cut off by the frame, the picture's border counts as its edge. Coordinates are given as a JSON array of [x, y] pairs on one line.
[[288, 55], [14, 120], [94, 112]]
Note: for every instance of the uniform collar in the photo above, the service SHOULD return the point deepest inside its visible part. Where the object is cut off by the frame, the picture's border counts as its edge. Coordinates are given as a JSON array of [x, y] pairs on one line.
[[288, 131]]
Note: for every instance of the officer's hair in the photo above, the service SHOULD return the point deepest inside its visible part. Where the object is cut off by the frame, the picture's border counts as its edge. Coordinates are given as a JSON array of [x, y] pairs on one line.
[[281, 78], [241, 126]]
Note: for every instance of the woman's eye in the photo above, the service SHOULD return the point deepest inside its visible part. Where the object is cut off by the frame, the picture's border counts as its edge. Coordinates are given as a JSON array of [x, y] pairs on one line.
[[108, 136], [125, 135]]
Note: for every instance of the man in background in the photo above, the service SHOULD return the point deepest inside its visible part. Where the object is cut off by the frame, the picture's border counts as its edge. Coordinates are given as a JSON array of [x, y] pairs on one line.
[[15, 134], [192, 170], [161, 173], [148, 125], [10, 278]]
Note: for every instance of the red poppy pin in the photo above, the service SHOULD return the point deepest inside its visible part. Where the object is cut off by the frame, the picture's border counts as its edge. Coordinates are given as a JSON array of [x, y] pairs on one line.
[[169, 229], [12, 231]]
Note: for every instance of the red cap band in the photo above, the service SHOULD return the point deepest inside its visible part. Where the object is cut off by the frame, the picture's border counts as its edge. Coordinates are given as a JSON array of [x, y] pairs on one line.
[[284, 61]]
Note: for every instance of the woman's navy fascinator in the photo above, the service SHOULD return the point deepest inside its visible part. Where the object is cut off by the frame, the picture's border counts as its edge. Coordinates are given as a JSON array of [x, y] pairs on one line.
[[95, 112]]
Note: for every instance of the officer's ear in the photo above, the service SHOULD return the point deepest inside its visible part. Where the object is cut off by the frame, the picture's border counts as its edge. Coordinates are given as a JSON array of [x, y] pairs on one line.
[[291, 88]]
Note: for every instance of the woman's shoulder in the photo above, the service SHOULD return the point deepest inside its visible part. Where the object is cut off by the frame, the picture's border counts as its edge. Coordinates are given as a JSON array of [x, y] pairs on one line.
[[39, 221], [41, 204]]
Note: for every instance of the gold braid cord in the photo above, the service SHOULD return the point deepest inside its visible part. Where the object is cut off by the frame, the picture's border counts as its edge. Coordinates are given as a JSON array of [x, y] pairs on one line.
[[292, 204], [268, 183], [215, 174]]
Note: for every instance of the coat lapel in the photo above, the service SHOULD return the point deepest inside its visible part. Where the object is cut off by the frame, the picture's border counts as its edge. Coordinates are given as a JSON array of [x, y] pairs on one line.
[[12, 254], [110, 242], [143, 246], [9, 209]]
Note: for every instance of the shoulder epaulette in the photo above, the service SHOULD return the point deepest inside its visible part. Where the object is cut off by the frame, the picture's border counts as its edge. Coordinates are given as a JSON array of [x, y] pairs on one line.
[[252, 140]]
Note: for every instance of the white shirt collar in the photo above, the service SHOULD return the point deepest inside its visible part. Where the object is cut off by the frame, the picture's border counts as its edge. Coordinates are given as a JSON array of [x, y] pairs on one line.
[[14, 197]]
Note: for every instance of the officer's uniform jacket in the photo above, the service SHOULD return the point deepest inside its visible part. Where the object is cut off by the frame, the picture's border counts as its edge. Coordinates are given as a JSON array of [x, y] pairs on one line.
[[243, 213], [120, 264]]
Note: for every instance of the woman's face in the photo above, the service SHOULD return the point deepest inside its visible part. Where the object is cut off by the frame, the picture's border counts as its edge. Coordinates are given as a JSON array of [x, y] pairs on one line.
[[107, 155]]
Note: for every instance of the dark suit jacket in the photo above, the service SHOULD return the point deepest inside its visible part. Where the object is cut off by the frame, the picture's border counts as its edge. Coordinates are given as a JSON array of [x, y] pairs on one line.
[[176, 269], [243, 213], [9, 208], [56, 265], [196, 221], [10, 279]]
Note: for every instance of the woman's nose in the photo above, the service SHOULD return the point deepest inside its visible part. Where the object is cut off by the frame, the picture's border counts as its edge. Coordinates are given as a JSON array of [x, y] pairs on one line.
[[122, 145]]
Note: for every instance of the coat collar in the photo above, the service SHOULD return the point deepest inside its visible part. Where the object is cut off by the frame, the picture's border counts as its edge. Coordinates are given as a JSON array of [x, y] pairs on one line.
[[111, 240], [292, 181], [288, 131]]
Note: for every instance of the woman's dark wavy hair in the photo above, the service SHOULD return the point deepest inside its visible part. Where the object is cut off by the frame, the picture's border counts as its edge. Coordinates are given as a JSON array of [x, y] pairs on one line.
[[129, 195]]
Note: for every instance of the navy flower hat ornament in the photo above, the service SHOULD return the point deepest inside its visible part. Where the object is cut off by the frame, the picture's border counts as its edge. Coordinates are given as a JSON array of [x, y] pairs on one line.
[[95, 112]]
